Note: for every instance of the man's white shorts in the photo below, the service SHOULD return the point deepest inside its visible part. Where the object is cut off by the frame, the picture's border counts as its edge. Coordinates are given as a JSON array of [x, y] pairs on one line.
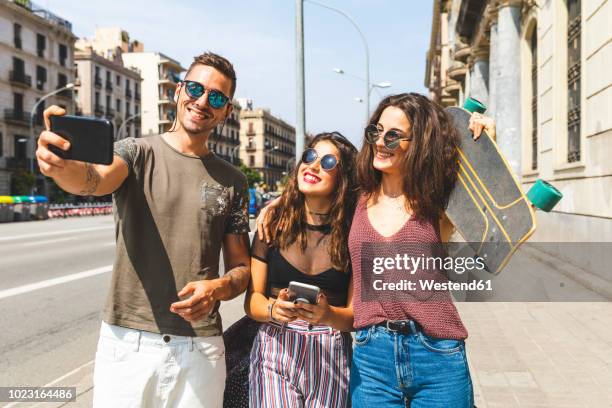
[[135, 368]]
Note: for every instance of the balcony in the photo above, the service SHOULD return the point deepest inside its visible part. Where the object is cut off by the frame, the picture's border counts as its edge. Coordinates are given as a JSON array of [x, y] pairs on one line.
[[137, 95], [20, 79], [251, 147], [110, 113], [17, 117], [232, 122], [98, 82], [109, 86], [98, 109], [16, 163]]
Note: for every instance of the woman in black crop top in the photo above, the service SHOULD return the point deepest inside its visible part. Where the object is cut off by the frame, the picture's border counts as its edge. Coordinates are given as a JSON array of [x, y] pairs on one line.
[[302, 353]]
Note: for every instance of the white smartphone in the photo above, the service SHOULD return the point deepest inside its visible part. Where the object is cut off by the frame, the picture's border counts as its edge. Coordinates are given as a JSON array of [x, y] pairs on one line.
[[304, 293]]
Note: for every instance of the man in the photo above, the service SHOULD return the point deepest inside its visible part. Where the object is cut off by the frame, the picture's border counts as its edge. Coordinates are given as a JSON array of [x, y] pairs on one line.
[[176, 204]]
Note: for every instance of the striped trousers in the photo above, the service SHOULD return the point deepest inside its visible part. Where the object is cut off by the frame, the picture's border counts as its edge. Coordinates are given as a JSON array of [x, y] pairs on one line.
[[299, 367]]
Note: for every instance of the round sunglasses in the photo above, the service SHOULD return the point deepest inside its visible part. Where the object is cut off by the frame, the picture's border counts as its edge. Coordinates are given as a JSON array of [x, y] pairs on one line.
[[195, 90], [328, 161], [391, 139]]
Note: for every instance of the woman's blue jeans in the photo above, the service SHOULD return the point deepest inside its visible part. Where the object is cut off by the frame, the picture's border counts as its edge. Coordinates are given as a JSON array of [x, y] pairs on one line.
[[390, 369]]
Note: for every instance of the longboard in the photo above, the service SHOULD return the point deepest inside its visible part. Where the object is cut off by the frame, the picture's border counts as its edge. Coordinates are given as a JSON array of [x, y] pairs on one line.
[[487, 206]]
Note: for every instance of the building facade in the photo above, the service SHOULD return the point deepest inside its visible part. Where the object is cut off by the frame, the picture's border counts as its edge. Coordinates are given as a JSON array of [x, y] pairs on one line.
[[543, 69], [36, 58], [160, 75], [108, 90], [225, 140], [267, 144]]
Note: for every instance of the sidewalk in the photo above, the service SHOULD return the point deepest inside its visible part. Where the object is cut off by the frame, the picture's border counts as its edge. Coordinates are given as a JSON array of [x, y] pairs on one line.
[[540, 354]]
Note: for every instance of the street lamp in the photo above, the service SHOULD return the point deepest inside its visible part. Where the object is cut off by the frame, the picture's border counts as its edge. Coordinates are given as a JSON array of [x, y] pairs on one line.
[[70, 85], [383, 84], [365, 47], [130, 118]]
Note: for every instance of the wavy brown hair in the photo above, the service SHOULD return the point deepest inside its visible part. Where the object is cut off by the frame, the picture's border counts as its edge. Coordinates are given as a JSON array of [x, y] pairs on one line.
[[429, 165], [288, 218]]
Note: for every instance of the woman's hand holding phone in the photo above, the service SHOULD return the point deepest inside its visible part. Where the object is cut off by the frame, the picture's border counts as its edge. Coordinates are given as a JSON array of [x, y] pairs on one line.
[[284, 310], [317, 314]]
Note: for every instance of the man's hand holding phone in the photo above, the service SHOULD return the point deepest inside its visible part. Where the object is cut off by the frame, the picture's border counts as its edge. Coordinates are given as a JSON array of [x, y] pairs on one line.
[[49, 163], [93, 138]]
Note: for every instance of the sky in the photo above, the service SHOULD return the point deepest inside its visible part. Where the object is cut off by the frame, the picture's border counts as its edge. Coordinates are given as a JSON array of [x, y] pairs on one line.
[[258, 37]]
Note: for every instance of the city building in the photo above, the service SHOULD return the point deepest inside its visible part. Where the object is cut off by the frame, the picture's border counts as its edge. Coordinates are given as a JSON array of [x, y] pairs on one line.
[[225, 140], [543, 69], [267, 143], [160, 74], [107, 88], [36, 58]]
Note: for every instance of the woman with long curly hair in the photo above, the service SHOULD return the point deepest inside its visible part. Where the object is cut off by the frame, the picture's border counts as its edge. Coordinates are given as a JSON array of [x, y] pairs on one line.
[[302, 353], [409, 347]]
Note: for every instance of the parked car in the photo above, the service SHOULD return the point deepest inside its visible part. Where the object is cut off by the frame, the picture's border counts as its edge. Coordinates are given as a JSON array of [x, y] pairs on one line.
[[267, 197], [255, 202]]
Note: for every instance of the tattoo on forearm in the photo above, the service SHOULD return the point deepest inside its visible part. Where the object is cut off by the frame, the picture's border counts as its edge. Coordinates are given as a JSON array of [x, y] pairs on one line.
[[239, 279], [92, 180]]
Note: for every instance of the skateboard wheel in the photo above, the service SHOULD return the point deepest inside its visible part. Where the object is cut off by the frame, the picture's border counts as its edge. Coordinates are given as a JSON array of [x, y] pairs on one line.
[[472, 105], [544, 195]]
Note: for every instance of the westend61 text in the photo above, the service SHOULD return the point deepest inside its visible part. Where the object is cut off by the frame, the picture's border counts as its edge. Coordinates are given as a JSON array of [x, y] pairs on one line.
[[429, 285]]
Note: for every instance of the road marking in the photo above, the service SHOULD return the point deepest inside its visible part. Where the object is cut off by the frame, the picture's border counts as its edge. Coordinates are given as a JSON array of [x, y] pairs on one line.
[[19, 290], [49, 241], [51, 233], [57, 380]]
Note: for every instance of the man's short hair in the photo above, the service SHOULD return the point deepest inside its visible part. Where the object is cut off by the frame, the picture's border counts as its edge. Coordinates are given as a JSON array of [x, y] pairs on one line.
[[219, 63]]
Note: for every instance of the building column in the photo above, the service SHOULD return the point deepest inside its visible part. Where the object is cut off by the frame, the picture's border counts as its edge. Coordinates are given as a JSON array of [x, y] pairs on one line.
[[479, 77], [507, 82]]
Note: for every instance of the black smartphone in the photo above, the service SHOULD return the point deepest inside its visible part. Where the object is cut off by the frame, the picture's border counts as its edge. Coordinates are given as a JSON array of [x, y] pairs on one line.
[[91, 139], [304, 293]]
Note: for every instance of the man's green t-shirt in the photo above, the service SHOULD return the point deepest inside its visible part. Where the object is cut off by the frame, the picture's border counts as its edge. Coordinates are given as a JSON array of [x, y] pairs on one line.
[[171, 214]]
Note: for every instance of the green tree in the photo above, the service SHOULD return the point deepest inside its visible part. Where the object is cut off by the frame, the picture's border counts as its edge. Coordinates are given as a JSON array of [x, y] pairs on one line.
[[252, 175], [22, 182]]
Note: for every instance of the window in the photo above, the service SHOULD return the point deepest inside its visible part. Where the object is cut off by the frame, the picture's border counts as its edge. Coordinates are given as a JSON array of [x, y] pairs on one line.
[[17, 35], [127, 109], [118, 80], [108, 103], [118, 105], [63, 54], [62, 80], [20, 146], [97, 98], [41, 45], [41, 77], [18, 103], [573, 80], [1, 145], [18, 67], [534, 98]]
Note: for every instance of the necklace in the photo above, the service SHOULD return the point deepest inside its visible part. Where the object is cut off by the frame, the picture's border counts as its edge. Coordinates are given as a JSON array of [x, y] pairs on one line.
[[392, 202], [317, 213]]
